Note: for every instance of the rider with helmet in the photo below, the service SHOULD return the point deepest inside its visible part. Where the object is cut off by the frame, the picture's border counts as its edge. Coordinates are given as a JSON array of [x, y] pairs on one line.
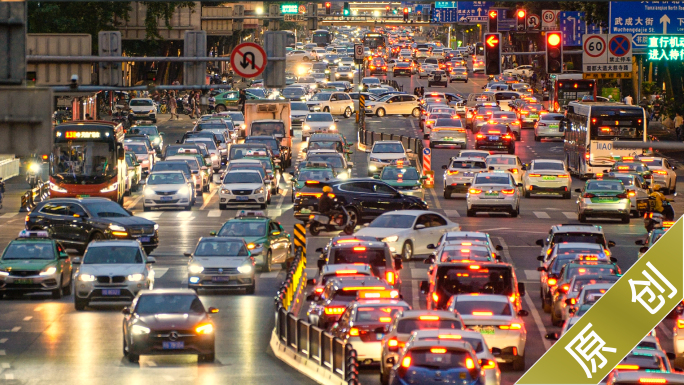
[[326, 203], [658, 199]]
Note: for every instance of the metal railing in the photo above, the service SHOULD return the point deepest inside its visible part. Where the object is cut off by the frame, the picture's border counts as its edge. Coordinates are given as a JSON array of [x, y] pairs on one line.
[[393, 83], [35, 195], [367, 138], [308, 341]]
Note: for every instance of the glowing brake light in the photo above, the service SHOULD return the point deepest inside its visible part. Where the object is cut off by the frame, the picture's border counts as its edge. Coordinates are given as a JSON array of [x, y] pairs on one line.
[[627, 367], [406, 362], [652, 381], [360, 248], [474, 267], [487, 364], [474, 191], [429, 318], [390, 277], [513, 326], [435, 297], [452, 172], [623, 167], [551, 281], [534, 175], [470, 364], [483, 313], [346, 272], [385, 320], [660, 172], [354, 332], [508, 192], [565, 288], [440, 351], [334, 310]]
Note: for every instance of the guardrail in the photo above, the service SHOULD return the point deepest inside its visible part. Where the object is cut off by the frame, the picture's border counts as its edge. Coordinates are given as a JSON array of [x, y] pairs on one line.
[[393, 83], [35, 195], [308, 348], [366, 138]]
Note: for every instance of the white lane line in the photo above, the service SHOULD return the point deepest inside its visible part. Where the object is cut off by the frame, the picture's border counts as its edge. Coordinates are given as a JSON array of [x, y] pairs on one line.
[[184, 215], [417, 273], [214, 213], [415, 295], [28, 318], [39, 308], [150, 214], [528, 300], [452, 213], [159, 272], [541, 215], [281, 199], [9, 215], [151, 363], [134, 202], [272, 274], [274, 213], [3, 340], [666, 332], [570, 214], [434, 196], [16, 329], [208, 200]]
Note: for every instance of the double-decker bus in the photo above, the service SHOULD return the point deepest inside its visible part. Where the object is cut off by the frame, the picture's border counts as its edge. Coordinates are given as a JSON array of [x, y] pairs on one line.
[[566, 88], [322, 37], [590, 130], [88, 160], [374, 40]]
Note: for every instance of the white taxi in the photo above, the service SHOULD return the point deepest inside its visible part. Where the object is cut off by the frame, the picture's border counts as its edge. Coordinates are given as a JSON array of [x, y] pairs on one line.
[[663, 172], [547, 176], [243, 187], [459, 174], [493, 192], [385, 152]]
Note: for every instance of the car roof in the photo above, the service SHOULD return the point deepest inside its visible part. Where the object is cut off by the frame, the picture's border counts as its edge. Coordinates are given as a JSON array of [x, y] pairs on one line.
[[445, 343], [418, 313], [114, 242], [632, 377], [325, 136], [466, 158], [411, 212], [244, 170], [571, 228], [167, 291], [481, 298]]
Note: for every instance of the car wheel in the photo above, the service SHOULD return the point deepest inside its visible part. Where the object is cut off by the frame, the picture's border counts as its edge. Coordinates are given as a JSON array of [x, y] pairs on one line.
[[187, 208], [567, 195], [380, 112], [97, 236], [407, 251], [353, 218], [519, 363], [516, 212], [447, 194], [511, 150], [347, 112], [537, 139], [267, 262], [555, 321], [251, 289], [212, 357], [416, 112], [471, 213], [66, 290], [79, 303], [133, 358], [582, 218], [466, 81], [626, 218], [527, 194]]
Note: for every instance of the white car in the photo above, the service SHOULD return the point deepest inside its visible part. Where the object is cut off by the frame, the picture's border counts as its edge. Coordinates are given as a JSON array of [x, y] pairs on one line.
[[523, 70], [143, 109], [214, 151], [547, 176], [336, 103], [383, 153], [663, 172], [498, 163], [202, 176], [496, 319], [448, 132], [466, 238], [299, 54], [168, 189], [318, 53], [587, 296], [409, 231], [243, 187], [370, 81], [298, 113], [221, 263], [425, 69], [458, 74], [478, 64], [493, 192], [318, 122], [401, 104], [111, 272], [548, 126], [459, 174]]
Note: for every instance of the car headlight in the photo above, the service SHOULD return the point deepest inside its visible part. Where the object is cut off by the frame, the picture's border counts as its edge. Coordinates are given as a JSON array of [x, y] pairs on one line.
[[86, 277], [243, 126], [152, 111], [205, 329], [136, 277], [195, 269], [337, 74], [148, 192], [110, 188], [253, 246], [333, 127], [342, 175], [259, 190], [225, 191], [306, 127], [49, 270], [184, 190], [391, 239], [245, 269], [156, 226], [3, 273], [156, 140], [56, 188], [114, 227], [139, 329], [34, 167]]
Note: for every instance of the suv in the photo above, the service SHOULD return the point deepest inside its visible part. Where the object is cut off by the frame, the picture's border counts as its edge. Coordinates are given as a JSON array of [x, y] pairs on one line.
[[459, 174], [438, 78], [142, 109], [569, 233]]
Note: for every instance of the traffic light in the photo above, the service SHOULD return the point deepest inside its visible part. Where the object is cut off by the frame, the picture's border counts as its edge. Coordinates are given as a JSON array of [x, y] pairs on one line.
[[346, 11], [493, 22], [521, 18], [328, 5], [492, 54], [406, 14], [554, 52], [387, 9]]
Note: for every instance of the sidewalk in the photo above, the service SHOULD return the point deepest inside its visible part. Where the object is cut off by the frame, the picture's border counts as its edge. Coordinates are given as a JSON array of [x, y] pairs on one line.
[[14, 188]]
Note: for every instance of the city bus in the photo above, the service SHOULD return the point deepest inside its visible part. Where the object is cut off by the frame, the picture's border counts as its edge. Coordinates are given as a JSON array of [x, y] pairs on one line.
[[291, 39], [322, 37], [374, 40], [566, 88], [590, 130], [88, 160]]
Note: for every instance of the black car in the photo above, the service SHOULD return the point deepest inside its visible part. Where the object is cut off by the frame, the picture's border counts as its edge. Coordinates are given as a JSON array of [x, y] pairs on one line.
[[184, 328], [402, 68], [76, 221], [496, 137], [279, 152], [364, 198]]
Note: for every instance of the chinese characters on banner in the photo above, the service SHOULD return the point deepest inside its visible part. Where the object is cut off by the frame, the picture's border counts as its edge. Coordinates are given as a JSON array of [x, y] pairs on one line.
[[666, 47]]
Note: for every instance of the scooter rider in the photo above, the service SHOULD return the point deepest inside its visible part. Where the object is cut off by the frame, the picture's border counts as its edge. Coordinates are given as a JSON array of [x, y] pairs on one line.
[[659, 198], [326, 204]]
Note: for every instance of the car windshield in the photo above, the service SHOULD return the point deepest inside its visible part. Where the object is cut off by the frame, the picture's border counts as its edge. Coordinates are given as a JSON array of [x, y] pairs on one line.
[[136, 148], [210, 125], [221, 248], [580, 282], [447, 122], [502, 161], [172, 166], [319, 118], [597, 238], [242, 177], [552, 117], [370, 81], [268, 128], [287, 92], [504, 115], [409, 325], [449, 360], [334, 160], [377, 314], [464, 280], [325, 145], [393, 221], [29, 250], [391, 173], [106, 209], [592, 295], [299, 107], [140, 103], [237, 152], [112, 255], [169, 304], [492, 179], [374, 257], [269, 142], [468, 253], [605, 186], [391, 148], [144, 130], [237, 116], [548, 166], [318, 175], [240, 228], [307, 79], [166, 178], [483, 308], [468, 164], [208, 142], [322, 96]]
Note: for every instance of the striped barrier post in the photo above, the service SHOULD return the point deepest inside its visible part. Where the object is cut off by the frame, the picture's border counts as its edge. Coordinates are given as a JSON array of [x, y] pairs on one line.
[[300, 238]]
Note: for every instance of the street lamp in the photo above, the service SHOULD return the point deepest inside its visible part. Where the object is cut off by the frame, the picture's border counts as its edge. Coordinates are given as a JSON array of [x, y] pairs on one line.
[[260, 11]]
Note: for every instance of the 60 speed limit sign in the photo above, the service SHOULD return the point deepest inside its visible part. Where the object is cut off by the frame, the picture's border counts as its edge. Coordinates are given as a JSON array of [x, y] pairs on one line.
[[594, 47]]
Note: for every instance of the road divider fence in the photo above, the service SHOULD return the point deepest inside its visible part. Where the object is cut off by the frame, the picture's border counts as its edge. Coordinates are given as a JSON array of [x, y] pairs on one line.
[[366, 138], [38, 194]]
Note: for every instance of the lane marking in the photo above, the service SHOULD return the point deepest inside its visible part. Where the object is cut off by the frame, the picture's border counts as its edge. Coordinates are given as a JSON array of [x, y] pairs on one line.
[[3, 340], [16, 329], [282, 199], [418, 273], [9, 215], [570, 214], [28, 318], [274, 213], [3, 353], [541, 215], [150, 214], [9, 376], [151, 363], [135, 202], [5, 365], [272, 274], [208, 200], [452, 213], [214, 213], [434, 196], [532, 275], [184, 215], [159, 272], [39, 308]]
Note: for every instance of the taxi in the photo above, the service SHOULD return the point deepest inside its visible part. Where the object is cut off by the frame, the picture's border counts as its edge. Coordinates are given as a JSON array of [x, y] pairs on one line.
[[500, 163], [310, 171], [638, 190], [405, 179], [466, 238], [156, 137], [603, 199], [366, 320], [628, 165], [547, 176], [622, 377], [587, 297], [528, 114], [205, 170], [272, 169], [652, 237], [33, 262], [663, 172], [337, 270], [459, 174], [266, 239]]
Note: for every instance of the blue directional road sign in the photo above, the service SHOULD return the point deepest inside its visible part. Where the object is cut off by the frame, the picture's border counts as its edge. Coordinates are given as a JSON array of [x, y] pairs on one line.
[[446, 4], [573, 26], [444, 15], [649, 17], [474, 11], [506, 20]]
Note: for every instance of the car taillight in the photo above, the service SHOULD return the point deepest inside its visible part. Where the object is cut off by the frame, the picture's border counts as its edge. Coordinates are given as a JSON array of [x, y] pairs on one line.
[[631, 193], [452, 172], [487, 364], [508, 192], [390, 277], [573, 301], [551, 281], [564, 176], [354, 332], [648, 380], [479, 117], [565, 288], [524, 112], [469, 115], [474, 191], [507, 136], [479, 136], [435, 297], [513, 326], [680, 323], [627, 367], [587, 156], [534, 175], [334, 310], [588, 195], [513, 170], [621, 196], [660, 172], [540, 124]]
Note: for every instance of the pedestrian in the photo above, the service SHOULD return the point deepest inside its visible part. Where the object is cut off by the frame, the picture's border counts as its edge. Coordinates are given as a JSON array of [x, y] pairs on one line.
[[173, 106], [242, 100], [197, 104], [678, 123], [193, 106], [422, 91], [628, 100]]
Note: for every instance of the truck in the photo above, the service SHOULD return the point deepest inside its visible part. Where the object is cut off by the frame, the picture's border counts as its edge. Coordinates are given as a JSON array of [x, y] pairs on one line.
[[271, 117]]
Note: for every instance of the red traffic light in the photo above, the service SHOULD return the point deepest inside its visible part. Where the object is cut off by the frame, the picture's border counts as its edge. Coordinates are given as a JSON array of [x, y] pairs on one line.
[[328, 5], [553, 39], [387, 7], [492, 14], [492, 41], [521, 13], [405, 11]]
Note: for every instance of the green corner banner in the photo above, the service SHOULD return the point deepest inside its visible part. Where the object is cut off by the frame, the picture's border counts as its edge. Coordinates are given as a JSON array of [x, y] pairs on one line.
[[619, 320]]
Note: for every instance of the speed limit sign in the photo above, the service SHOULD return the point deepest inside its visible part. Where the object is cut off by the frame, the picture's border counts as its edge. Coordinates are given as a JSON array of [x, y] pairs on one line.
[[594, 47]]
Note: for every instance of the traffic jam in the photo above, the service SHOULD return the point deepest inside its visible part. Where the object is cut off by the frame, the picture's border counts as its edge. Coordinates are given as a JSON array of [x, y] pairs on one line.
[[465, 270]]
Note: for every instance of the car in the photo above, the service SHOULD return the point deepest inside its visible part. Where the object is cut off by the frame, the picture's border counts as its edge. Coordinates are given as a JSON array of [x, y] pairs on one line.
[[100, 218], [529, 114], [385, 152], [438, 77], [503, 163], [547, 176], [409, 231], [572, 233], [663, 172], [493, 192], [458, 73], [336, 103], [622, 377], [279, 153], [377, 66], [480, 154], [405, 179], [146, 325], [200, 175], [310, 171], [243, 187], [212, 147], [183, 166], [272, 168], [509, 119], [628, 165], [296, 93], [638, 190], [143, 153], [425, 69], [603, 199], [397, 104], [155, 137], [548, 127], [459, 174], [447, 131], [495, 137], [221, 262], [111, 272], [478, 64], [328, 272], [344, 73], [299, 54], [500, 324], [34, 262], [366, 320], [268, 242], [134, 174], [318, 122], [587, 297], [370, 81], [298, 112], [168, 189], [402, 68], [521, 70], [482, 115], [142, 109], [367, 97]]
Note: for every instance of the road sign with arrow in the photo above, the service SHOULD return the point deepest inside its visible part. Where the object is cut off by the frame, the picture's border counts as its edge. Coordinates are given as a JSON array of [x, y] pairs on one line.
[[648, 17], [248, 60]]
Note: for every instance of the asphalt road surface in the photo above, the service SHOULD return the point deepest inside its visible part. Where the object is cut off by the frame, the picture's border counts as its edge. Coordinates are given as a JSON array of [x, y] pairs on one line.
[[47, 341]]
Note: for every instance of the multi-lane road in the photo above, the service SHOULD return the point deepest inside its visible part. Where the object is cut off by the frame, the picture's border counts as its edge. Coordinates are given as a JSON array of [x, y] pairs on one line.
[[44, 340]]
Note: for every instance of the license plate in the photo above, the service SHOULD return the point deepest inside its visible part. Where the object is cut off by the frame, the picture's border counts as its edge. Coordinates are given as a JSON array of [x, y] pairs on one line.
[[111, 292], [25, 281], [165, 198], [534, 116], [553, 126], [242, 198], [224, 278], [82, 196], [549, 178], [173, 345], [491, 194], [493, 138], [305, 211], [144, 239], [487, 330], [605, 199]]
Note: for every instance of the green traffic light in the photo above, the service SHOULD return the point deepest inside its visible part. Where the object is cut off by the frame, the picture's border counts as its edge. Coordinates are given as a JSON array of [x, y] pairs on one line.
[[346, 12], [394, 11]]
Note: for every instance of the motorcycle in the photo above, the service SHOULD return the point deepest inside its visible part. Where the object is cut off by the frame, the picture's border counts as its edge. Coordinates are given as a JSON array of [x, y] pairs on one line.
[[340, 221], [654, 219], [33, 173]]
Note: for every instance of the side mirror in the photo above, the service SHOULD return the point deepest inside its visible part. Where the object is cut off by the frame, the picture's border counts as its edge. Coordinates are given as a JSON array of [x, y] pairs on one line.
[[577, 190], [671, 355], [424, 287], [212, 310], [187, 254], [431, 246], [541, 268], [521, 289], [418, 227], [398, 263], [552, 336], [539, 242], [76, 261], [126, 311], [611, 244], [213, 233], [540, 258], [151, 260], [523, 313], [444, 167], [320, 263]]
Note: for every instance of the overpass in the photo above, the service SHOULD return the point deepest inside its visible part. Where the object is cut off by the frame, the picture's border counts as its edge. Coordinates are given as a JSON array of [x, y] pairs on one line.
[[370, 21]]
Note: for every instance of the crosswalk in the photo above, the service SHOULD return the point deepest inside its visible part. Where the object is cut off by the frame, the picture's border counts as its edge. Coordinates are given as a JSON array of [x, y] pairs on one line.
[[556, 215]]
